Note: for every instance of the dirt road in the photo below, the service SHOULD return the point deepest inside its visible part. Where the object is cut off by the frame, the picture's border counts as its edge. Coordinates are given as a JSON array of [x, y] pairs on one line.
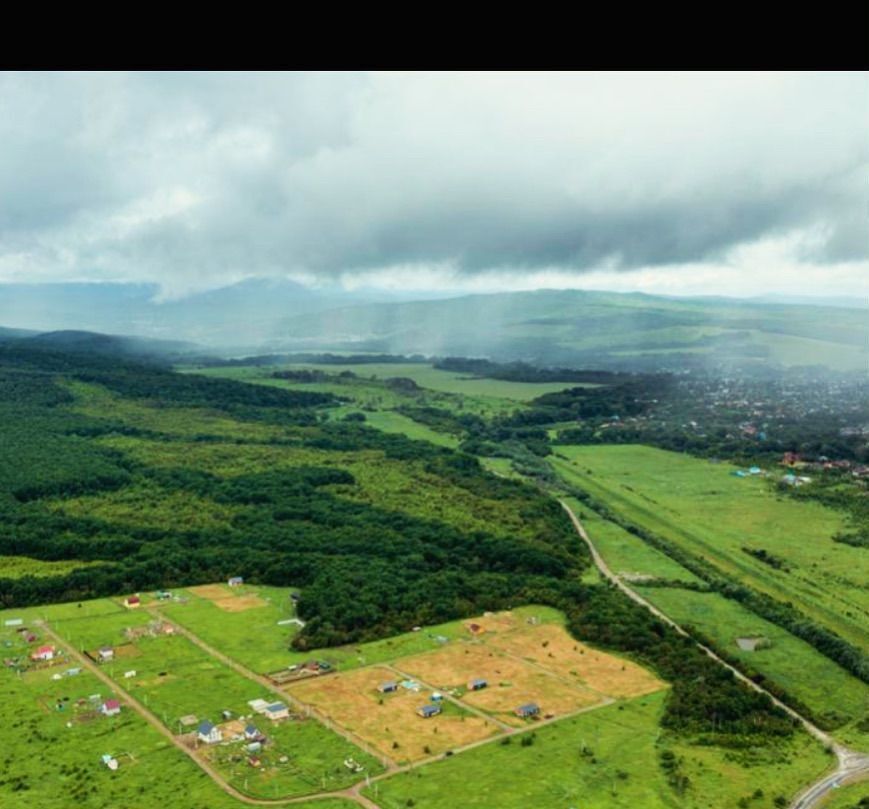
[[134, 704], [852, 765]]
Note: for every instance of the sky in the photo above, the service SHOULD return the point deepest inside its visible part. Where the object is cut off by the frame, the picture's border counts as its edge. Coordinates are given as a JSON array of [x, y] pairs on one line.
[[676, 183]]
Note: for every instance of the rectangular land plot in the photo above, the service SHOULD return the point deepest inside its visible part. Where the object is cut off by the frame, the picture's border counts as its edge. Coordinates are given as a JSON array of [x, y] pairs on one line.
[[510, 682], [551, 648], [389, 722]]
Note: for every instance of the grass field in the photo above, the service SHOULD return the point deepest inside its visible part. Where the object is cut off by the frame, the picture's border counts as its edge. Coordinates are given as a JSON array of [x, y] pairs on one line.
[[619, 769], [704, 508], [14, 567], [254, 636], [848, 797], [627, 555], [789, 662], [52, 755]]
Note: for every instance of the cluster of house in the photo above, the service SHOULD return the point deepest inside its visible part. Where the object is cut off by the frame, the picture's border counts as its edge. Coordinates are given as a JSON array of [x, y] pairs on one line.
[[432, 708], [823, 463]]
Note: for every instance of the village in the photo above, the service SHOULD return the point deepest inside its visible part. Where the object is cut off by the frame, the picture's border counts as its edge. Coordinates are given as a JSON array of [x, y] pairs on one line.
[[316, 724]]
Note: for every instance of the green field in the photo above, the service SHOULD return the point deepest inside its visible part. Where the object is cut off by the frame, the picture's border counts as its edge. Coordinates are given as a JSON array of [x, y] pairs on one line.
[[704, 508], [620, 769], [14, 567], [627, 555], [789, 662], [848, 797], [52, 754]]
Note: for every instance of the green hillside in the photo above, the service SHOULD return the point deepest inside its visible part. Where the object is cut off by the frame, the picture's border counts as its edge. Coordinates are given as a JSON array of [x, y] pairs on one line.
[[599, 328]]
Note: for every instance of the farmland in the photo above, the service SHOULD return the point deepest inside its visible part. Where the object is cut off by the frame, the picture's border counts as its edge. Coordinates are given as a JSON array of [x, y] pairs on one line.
[[525, 655], [704, 508], [604, 758], [521, 658], [58, 736]]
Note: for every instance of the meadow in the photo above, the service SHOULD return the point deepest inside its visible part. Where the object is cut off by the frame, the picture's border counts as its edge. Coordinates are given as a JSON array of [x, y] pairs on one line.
[[829, 691], [703, 507], [52, 756], [598, 760], [13, 567]]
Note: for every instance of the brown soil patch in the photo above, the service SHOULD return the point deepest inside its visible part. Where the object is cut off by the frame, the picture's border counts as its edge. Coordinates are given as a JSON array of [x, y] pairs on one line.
[[351, 699], [550, 647], [511, 682], [127, 650], [225, 598], [239, 603]]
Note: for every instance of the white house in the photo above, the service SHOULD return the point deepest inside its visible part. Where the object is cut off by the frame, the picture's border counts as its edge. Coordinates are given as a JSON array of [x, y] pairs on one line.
[[208, 733], [277, 710]]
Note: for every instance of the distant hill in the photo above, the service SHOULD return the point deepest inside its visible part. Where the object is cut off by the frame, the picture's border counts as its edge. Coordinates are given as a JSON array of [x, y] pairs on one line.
[[601, 329], [243, 314], [95, 343]]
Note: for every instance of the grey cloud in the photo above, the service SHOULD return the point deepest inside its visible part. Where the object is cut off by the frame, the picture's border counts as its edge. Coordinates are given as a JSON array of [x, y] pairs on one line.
[[186, 178]]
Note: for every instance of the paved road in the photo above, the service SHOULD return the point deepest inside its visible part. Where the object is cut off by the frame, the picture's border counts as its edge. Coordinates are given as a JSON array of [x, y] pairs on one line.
[[852, 765]]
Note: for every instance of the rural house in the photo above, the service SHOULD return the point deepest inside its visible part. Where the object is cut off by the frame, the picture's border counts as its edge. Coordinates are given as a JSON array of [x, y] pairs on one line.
[[529, 709], [43, 653], [428, 711], [235, 581], [477, 684], [131, 602], [277, 710], [208, 733], [111, 707], [386, 688], [106, 653], [252, 732]]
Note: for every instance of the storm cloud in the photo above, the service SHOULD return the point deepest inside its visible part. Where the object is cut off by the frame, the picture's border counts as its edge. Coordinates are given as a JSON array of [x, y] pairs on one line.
[[192, 180]]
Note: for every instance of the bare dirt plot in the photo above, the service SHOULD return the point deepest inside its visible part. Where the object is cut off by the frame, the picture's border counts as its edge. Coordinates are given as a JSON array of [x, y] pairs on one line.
[[352, 700], [221, 596], [511, 682], [239, 603], [550, 647], [213, 592]]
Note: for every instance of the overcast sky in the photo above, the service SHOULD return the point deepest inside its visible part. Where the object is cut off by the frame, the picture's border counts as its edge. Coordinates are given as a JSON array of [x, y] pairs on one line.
[[676, 183]]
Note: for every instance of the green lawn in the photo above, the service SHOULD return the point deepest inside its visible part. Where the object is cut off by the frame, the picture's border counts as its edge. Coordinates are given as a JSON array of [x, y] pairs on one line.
[[621, 769], [704, 508]]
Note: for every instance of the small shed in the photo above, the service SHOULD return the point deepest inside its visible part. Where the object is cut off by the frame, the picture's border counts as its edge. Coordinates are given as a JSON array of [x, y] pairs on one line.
[[477, 684], [106, 653], [529, 709], [111, 707], [235, 581], [131, 602], [428, 711], [387, 688]]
